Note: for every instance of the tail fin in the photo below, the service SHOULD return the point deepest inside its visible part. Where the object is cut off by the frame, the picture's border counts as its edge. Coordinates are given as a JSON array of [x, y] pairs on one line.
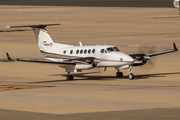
[[44, 40]]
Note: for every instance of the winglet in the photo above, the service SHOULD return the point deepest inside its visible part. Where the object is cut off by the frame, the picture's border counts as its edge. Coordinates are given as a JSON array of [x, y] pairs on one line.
[[175, 48], [8, 57]]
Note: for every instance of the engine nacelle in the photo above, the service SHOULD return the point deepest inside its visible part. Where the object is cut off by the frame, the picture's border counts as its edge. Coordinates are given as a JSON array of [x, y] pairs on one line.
[[77, 67], [145, 58], [96, 61]]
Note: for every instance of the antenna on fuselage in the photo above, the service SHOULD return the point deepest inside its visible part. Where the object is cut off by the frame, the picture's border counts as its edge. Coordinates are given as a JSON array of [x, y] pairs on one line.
[[80, 43]]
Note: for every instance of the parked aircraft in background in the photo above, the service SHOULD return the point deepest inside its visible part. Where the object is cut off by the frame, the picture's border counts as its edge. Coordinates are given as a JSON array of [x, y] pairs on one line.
[[176, 4], [78, 58]]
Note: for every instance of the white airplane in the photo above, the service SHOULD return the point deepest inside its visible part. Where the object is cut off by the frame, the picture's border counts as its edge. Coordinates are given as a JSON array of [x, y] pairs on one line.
[[78, 58], [176, 4]]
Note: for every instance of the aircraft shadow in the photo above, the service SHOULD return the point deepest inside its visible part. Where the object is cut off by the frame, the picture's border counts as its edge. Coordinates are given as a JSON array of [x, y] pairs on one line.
[[147, 76], [85, 76]]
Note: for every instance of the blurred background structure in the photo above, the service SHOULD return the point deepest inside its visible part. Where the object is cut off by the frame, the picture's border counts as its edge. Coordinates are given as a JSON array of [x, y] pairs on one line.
[[102, 3]]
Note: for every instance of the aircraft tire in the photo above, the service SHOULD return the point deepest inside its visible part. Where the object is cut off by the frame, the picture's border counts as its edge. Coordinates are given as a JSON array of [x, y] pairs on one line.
[[69, 77], [131, 76], [119, 74]]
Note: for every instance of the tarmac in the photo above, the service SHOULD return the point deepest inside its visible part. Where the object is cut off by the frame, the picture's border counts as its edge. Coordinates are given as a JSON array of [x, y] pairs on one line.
[[40, 91]]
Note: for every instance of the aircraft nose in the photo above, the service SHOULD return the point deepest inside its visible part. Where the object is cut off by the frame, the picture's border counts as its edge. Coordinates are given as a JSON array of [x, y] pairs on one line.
[[129, 59]]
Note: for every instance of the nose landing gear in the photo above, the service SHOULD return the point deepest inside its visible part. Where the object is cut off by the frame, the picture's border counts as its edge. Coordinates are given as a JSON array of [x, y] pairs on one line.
[[131, 75]]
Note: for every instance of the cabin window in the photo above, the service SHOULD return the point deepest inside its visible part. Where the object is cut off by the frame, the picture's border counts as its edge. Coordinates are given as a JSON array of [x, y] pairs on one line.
[[71, 52], [102, 50], [77, 51], [85, 51], [64, 51], [81, 51], [105, 51], [93, 51], [89, 51]]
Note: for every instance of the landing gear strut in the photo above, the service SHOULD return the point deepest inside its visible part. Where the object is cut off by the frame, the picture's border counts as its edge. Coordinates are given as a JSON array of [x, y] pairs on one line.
[[119, 74], [131, 75], [69, 76]]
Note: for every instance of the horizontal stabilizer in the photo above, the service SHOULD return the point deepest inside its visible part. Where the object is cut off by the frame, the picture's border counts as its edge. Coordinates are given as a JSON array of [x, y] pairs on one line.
[[33, 26]]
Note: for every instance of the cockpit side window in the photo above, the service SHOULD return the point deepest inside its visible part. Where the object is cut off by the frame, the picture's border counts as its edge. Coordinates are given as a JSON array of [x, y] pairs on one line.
[[116, 49], [111, 49]]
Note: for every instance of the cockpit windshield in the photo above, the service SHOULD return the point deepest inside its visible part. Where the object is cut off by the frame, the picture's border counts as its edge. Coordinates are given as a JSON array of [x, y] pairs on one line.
[[111, 49]]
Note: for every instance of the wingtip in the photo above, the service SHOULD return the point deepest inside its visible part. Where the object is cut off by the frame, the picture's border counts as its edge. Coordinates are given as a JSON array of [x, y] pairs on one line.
[[175, 48], [8, 57]]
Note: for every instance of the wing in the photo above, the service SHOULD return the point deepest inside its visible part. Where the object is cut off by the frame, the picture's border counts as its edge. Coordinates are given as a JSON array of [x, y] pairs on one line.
[[165, 52], [46, 62], [41, 61], [85, 60], [141, 59]]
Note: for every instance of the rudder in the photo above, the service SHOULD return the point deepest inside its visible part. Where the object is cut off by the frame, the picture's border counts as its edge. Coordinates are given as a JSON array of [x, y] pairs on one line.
[[43, 38]]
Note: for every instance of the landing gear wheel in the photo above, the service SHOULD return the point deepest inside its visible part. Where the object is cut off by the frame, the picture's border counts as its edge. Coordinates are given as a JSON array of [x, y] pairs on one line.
[[69, 77], [131, 76], [119, 74]]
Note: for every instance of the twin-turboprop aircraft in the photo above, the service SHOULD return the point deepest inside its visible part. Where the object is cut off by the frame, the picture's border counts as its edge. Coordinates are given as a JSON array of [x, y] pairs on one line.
[[78, 58]]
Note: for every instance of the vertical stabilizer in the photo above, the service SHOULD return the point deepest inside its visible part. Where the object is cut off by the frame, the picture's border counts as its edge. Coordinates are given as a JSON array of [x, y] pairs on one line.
[[43, 38]]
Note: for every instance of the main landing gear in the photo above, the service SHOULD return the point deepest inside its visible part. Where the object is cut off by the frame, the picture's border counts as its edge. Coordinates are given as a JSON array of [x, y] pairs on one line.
[[119, 74], [69, 76]]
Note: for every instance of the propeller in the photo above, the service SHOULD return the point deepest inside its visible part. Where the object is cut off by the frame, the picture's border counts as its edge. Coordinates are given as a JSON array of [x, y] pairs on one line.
[[144, 58], [148, 50]]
